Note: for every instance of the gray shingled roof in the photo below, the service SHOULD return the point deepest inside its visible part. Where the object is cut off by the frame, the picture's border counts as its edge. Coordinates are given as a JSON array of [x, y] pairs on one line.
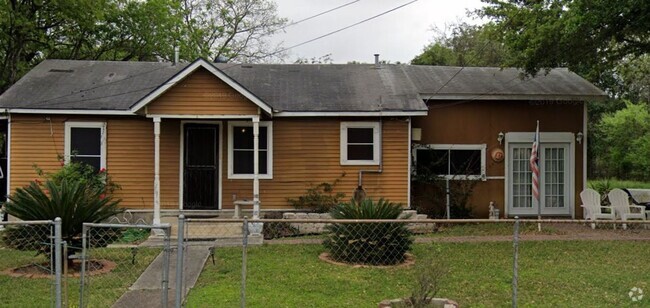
[[87, 85], [105, 85]]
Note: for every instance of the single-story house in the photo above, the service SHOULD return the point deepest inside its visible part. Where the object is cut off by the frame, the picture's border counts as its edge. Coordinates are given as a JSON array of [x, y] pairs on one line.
[[199, 136]]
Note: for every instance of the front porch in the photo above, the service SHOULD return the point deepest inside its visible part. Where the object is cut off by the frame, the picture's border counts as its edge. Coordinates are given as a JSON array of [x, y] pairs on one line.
[[209, 175]]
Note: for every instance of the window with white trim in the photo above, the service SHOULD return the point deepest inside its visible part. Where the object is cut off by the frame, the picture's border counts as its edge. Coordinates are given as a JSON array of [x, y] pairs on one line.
[[240, 150], [86, 142], [451, 161], [360, 143]]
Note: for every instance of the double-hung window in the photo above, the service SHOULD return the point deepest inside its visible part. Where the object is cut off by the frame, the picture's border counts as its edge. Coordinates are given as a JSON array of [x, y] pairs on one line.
[[86, 142], [240, 150], [360, 143], [451, 161]]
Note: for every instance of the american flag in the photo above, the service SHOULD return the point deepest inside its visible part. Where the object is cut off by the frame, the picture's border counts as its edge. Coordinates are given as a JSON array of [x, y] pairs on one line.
[[534, 164]]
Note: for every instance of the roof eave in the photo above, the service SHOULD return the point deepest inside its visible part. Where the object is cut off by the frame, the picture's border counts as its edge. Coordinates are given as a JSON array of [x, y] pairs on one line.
[[68, 111], [351, 113], [513, 97]]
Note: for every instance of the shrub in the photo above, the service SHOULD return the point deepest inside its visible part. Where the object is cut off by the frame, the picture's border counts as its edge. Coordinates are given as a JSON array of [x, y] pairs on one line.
[[320, 198], [72, 194], [430, 272], [368, 243]]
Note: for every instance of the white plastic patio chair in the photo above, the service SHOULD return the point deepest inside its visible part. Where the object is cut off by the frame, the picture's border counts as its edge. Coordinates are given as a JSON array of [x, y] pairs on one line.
[[593, 210], [624, 210]]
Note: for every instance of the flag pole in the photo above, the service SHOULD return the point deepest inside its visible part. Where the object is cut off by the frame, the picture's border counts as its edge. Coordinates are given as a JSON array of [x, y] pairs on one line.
[[539, 204]]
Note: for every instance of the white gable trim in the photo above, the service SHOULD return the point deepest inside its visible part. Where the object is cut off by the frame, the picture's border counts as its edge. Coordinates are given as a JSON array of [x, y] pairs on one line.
[[190, 69]]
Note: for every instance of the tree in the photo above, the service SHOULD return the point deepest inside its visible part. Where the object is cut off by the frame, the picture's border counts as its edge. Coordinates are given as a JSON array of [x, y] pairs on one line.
[[235, 29], [624, 142], [590, 37], [124, 30], [463, 44]]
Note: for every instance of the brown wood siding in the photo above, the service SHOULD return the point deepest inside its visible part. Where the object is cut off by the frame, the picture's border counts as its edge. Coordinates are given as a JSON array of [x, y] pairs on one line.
[[479, 122], [129, 152], [129, 160], [306, 151], [170, 139], [202, 93], [35, 140]]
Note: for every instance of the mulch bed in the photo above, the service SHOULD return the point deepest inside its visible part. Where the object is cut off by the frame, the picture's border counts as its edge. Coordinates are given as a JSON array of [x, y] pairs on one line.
[[42, 270], [408, 261]]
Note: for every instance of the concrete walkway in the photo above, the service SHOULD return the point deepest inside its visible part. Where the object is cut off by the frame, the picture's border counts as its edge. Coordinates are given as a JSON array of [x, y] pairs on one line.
[[147, 290]]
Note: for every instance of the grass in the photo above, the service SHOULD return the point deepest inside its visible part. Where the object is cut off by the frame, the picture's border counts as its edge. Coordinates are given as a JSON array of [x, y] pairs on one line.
[[615, 183], [103, 290], [553, 273], [476, 229]]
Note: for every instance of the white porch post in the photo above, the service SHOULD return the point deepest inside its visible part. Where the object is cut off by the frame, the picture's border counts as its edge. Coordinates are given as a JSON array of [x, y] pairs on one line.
[[156, 171], [256, 167]]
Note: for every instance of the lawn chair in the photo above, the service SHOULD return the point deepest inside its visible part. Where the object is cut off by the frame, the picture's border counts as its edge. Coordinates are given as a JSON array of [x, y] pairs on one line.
[[624, 210], [644, 204], [593, 209]]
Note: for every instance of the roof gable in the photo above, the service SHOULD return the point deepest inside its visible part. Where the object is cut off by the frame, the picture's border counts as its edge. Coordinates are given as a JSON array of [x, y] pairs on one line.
[[201, 93], [188, 70]]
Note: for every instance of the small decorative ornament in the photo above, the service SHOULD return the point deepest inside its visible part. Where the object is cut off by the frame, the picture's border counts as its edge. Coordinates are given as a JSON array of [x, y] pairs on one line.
[[497, 155], [635, 294]]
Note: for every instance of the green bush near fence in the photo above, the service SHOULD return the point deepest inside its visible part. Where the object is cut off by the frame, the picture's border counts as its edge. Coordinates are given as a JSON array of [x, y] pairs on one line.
[[368, 243]]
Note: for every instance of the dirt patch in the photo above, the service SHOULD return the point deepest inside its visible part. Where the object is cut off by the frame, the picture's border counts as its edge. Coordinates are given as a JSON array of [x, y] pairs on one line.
[[93, 267], [409, 260]]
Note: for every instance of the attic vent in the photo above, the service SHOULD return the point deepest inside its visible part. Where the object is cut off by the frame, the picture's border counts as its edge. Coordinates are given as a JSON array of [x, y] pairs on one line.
[[54, 70]]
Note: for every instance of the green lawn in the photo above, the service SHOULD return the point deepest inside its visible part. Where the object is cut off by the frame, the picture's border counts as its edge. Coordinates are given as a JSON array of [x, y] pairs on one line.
[[103, 290], [553, 273], [483, 229]]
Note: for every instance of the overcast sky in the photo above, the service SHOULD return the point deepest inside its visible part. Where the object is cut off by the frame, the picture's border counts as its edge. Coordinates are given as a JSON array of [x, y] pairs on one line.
[[397, 36]]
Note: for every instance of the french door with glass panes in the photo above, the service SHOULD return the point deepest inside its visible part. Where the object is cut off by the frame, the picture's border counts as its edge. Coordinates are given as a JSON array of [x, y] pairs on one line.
[[554, 184]]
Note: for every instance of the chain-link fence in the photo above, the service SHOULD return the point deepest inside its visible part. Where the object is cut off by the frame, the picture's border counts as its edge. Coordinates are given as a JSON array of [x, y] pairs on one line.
[[325, 262], [124, 265], [27, 264]]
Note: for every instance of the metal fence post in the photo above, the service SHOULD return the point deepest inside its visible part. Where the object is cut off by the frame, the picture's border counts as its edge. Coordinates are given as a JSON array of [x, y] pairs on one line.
[[243, 262], [82, 283], [57, 261], [165, 272], [179, 260], [515, 262]]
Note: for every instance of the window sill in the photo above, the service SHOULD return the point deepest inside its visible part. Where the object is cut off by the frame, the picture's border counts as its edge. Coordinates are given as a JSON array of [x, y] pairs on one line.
[[249, 176], [359, 163]]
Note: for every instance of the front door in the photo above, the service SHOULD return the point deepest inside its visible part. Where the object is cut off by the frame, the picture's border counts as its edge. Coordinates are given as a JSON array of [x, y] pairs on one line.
[[201, 167], [554, 180]]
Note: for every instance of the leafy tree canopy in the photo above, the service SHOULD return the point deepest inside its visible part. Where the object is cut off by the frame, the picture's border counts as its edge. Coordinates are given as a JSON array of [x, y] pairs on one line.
[[590, 37], [123, 30], [463, 44]]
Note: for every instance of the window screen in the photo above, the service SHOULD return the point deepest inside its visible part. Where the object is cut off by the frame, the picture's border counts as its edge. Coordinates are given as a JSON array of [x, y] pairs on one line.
[[242, 140], [360, 143], [86, 145], [450, 162]]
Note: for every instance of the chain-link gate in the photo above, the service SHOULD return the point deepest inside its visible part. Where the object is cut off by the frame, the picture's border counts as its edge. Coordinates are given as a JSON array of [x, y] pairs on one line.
[[124, 265], [27, 260]]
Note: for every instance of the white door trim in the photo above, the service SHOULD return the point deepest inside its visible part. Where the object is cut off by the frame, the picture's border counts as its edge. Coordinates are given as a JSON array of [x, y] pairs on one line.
[[182, 157], [545, 137]]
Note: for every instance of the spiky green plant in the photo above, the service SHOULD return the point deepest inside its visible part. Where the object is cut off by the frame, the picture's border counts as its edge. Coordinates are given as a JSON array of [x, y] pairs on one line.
[[73, 199], [376, 243]]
